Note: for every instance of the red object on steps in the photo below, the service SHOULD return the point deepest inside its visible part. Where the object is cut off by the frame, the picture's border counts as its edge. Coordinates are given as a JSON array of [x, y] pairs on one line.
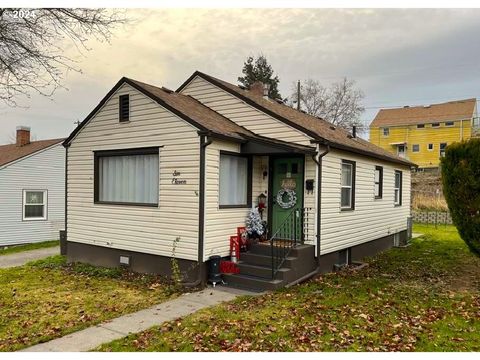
[[235, 247], [228, 267], [242, 237]]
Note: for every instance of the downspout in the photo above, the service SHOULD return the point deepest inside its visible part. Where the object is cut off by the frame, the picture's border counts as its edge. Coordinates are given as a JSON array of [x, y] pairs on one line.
[[319, 213], [319, 197], [205, 140]]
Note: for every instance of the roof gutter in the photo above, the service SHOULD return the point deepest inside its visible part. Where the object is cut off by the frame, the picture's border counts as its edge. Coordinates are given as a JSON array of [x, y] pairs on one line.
[[205, 140], [363, 152]]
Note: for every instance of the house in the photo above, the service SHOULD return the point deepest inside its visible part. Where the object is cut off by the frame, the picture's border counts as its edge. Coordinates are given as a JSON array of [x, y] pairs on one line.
[[155, 173], [32, 189], [421, 133]]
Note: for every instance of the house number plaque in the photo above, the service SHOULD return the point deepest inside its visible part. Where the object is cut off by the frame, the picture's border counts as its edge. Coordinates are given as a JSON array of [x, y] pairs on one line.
[[176, 180], [289, 184]]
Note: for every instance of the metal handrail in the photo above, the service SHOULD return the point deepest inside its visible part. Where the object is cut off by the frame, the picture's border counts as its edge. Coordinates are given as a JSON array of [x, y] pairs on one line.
[[289, 234]]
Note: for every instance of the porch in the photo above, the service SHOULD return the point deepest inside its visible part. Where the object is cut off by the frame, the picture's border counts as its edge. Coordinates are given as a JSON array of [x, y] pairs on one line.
[[282, 185]]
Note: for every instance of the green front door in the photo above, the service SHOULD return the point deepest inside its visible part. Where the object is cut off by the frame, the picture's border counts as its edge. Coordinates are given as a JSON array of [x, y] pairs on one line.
[[287, 174]]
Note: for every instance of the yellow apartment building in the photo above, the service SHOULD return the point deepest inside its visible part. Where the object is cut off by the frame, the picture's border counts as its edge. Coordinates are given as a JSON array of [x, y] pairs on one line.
[[421, 133]]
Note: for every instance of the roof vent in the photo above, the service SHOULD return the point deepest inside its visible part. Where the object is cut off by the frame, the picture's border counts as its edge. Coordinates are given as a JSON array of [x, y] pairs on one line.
[[427, 106], [406, 107], [167, 90], [332, 127]]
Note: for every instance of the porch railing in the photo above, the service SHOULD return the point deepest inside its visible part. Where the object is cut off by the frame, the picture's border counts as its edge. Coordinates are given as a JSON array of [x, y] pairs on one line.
[[292, 232]]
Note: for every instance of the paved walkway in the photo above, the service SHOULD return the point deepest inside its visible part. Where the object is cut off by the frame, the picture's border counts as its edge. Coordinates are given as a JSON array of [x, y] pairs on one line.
[[94, 336], [21, 258]]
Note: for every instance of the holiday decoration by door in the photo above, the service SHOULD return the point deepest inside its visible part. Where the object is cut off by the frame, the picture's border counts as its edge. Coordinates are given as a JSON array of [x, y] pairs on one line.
[[254, 224], [286, 198]]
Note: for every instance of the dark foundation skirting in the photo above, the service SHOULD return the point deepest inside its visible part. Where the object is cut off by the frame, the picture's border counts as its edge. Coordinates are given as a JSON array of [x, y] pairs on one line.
[[139, 262], [359, 252]]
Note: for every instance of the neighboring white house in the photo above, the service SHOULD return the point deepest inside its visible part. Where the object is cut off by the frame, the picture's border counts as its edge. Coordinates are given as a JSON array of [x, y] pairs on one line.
[[32, 190], [151, 171]]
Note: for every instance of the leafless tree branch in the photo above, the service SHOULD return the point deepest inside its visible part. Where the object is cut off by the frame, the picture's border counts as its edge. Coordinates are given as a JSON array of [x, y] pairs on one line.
[[31, 55], [340, 104]]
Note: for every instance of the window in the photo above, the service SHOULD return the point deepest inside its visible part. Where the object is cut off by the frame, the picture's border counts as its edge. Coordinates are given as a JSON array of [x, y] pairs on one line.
[[34, 204], [386, 131], [347, 201], [294, 168], [235, 181], [421, 126], [126, 177], [398, 188], [430, 147], [415, 148], [124, 108], [435, 125], [449, 123], [378, 182], [443, 146]]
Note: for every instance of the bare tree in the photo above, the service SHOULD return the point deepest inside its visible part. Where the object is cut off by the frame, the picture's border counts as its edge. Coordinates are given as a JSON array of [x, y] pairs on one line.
[[33, 41], [339, 104]]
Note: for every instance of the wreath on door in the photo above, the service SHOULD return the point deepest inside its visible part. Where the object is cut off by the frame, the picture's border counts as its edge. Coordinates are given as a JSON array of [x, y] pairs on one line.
[[291, 198]]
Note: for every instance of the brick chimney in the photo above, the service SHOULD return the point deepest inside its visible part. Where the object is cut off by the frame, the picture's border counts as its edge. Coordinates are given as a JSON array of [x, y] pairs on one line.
[[257, 88], [23, 135]]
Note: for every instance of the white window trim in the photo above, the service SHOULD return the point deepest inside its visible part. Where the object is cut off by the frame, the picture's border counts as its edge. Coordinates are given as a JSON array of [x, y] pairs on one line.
[[421, 128], [436, 127], [453, 123], [399, 202], [440, 149], [413, 148], [383, 131], [351, 205], [45, 205]]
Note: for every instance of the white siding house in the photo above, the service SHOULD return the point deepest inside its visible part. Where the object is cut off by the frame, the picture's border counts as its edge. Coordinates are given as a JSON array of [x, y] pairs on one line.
[[32, 192], [154, 173]]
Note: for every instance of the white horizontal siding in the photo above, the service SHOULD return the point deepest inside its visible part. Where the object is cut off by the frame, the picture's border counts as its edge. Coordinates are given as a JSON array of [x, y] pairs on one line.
[[220, 224], [372, 218], [243, 114], [151, 230], [44, 170], [310, 201]]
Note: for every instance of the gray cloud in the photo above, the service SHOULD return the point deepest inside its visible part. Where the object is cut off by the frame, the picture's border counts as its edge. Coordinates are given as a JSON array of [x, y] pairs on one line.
[[396, 56]]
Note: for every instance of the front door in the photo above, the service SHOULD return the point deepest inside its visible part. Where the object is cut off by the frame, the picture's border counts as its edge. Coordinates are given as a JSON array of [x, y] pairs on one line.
[[401, 151], [286, 187]]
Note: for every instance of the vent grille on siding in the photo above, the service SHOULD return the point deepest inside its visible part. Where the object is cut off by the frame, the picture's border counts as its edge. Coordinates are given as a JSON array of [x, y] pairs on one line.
[[124, 107]]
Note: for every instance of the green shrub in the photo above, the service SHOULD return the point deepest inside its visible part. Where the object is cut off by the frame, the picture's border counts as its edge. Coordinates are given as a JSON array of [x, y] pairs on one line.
[[461, 187]]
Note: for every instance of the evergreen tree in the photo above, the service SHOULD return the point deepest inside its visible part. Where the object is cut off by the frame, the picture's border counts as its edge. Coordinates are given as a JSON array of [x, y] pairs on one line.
[[461, 186], [259, 70]]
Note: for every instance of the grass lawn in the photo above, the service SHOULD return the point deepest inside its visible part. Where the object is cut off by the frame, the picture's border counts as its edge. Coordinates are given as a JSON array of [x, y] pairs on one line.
[[47, 299], [422, 298], [19, 248]]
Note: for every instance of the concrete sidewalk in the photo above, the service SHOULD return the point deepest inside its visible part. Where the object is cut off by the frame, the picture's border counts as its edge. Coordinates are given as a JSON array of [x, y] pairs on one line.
[[21, 258], [94, 336]]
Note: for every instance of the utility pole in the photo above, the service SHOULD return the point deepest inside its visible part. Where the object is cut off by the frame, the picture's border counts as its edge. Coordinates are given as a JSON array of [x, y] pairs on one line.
[[298, 95]]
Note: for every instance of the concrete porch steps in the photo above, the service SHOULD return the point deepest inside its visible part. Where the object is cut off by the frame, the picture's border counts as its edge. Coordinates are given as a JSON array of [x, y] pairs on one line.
[[256, 268]]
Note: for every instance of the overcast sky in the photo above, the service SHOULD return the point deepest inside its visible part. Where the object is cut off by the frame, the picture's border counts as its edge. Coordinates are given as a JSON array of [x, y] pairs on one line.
[[397, 57]]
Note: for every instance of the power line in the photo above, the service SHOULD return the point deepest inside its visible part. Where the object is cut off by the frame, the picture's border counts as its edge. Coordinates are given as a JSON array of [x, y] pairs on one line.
[[412, 106]]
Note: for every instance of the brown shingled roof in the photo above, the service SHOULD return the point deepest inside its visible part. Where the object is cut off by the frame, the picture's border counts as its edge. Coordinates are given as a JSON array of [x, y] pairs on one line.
[[9, 153], [448, 111], [202, 115], [315, 127]]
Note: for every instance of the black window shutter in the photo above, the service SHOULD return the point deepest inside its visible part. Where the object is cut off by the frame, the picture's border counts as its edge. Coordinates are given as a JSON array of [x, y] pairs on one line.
[[124, 107]]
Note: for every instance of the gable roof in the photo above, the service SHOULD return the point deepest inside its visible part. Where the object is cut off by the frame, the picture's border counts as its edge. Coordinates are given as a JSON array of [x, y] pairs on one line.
[[12, 152], [317, 128], [448, 111], [186, 107]]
